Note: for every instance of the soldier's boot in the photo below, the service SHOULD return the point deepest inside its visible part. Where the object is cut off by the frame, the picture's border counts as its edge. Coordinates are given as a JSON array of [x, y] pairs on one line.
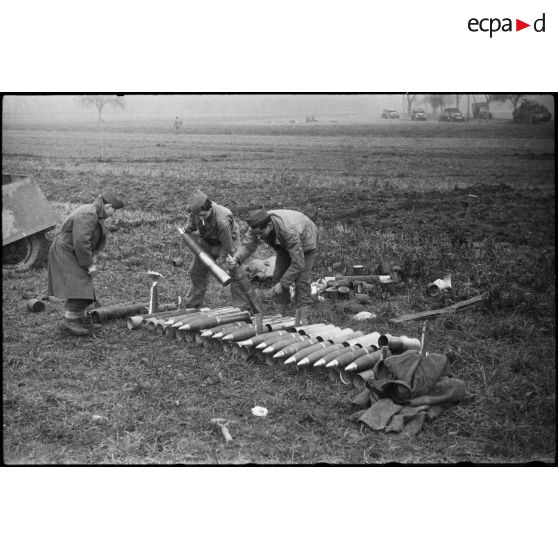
[[74, 327], [301, 316], [283, 309], [87, 321]]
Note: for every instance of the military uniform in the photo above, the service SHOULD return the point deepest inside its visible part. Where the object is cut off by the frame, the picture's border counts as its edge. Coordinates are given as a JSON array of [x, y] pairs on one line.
[[219, 236], [294, 237], [82, 234]]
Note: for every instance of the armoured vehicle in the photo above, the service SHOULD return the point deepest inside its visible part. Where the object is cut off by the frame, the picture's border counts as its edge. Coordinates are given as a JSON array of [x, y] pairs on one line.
[[26, 217]]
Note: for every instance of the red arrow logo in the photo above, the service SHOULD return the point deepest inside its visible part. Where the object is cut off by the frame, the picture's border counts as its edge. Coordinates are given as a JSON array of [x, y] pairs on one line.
[[519, 25]]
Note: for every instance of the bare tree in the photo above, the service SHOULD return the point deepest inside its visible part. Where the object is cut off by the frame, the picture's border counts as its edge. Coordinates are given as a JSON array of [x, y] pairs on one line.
[[410, 98], [514, 98], [100, 101], [436, 102]]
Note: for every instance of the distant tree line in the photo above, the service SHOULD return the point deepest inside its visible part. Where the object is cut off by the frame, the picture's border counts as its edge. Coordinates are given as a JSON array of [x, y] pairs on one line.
[[439, 101]]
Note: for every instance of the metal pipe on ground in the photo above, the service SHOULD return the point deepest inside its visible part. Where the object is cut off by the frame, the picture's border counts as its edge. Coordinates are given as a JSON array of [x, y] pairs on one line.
[[114, 312]]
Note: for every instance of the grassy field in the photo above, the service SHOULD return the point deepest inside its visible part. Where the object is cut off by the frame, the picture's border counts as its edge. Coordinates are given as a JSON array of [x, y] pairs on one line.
[[394, 191]]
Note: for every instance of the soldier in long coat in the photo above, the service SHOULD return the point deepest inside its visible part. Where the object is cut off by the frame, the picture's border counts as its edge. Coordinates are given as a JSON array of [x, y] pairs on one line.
[[294, 237], [70, 263], [219, 236]]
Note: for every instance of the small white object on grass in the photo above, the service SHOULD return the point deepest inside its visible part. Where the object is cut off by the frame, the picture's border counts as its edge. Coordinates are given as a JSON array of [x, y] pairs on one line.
[[362, 316], [259, 411]]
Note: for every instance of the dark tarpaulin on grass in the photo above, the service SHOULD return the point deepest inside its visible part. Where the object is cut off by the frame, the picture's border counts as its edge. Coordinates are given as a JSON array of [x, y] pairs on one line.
[[407, 390]]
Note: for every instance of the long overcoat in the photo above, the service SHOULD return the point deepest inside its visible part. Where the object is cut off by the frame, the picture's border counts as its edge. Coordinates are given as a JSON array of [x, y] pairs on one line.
[[71, 254]]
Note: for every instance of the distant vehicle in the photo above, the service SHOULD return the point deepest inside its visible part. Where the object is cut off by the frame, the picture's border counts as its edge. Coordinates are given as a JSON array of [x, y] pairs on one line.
[[531, 112], [480, 111], [451, 115], [418, 114], [390, 113]]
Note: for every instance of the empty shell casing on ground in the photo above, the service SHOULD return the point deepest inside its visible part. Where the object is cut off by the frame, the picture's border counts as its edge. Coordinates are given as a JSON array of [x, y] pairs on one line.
[[365, 340], [123, 311], [398, 344], [35, 305]]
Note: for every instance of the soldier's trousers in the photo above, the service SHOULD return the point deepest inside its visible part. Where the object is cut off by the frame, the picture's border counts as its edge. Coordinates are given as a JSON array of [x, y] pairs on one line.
[[199, 276], [303, 283]]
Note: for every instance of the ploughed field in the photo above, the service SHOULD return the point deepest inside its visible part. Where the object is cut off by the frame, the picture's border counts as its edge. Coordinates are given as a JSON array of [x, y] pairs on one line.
[[473, 200]]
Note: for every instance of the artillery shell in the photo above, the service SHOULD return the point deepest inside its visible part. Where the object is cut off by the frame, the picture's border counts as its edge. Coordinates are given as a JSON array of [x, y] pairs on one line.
[[211, 321], [290, 350], [333, 349], [350, 356], [364, 362], [228, 328], [283, 342]]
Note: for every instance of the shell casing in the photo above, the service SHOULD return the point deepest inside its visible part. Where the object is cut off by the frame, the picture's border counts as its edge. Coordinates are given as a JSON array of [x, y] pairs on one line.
[[364, 341]]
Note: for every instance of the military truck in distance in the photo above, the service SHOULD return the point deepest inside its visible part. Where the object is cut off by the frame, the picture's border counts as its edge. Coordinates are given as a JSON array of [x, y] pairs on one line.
[[480, 111]]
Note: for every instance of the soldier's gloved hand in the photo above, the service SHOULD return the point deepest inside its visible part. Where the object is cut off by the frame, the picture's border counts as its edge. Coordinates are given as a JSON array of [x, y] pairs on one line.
[[231, 263], [277, 289]]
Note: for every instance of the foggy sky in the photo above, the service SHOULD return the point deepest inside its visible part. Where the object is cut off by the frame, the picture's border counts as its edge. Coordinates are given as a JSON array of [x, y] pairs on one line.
[[47, 107]]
